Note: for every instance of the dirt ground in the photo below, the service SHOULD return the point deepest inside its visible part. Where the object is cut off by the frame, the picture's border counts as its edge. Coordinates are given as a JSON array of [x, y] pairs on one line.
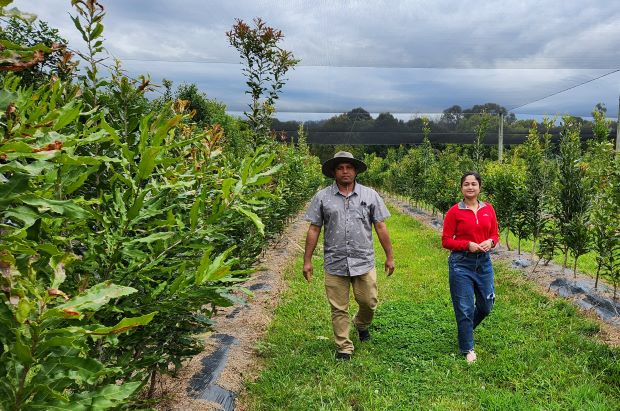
[[241, 327]]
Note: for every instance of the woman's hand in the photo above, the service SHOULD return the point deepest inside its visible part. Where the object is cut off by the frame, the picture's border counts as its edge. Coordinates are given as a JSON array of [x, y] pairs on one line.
[[486, 245], [475, 248]]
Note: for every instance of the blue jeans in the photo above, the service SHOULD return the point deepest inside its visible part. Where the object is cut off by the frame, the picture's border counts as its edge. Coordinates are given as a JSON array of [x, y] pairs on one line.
[[471, 275]]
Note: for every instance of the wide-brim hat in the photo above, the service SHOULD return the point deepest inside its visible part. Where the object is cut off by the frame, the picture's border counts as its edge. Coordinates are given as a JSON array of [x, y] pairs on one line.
[[342, 157]]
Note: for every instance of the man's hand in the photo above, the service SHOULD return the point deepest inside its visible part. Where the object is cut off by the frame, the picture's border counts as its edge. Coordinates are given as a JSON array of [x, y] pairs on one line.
[[475, 248], [389, 266], [311, 238], [486, 245], [308, 271]]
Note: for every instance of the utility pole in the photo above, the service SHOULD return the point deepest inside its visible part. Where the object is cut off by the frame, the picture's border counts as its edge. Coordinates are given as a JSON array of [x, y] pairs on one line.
[[500, 139]]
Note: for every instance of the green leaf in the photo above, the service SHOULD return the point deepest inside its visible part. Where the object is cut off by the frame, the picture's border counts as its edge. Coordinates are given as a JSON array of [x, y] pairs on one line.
[[93, 299], [18, 183], [148, 162], [67, 115], [226, 185], [65, 207], [258, 180], [193, 214], [108, 396], [79, 369], [153, 237], [144, 132], [217, 269], [79, 181], [205, 262], [6, 98], [59, 272], [73, 341], [69, 159], [255, 219], [23, 310], [97, 31], [136, 206], [16, 147], [27, 215], [162, 131], [32, 169], [125, 324], [22, 352]]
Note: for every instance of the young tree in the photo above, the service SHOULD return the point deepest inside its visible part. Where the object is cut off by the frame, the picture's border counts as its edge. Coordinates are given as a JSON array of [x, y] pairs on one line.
[[266, 64], [89, 22], [574, 194], [600, 157], [504, 184], [481, 130], [444, 179], [537, 182], [610, 210]]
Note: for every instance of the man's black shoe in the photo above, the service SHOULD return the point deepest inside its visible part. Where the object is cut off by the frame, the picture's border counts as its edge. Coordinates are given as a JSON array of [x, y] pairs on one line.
[[345, 356], [364, 335]]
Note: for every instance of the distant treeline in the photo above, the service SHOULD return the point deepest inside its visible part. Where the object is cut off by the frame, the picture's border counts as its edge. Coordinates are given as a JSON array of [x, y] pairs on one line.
[[456, 126]]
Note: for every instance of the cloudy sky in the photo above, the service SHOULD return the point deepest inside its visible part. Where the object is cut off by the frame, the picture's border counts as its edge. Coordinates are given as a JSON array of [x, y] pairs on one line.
[[407, 57]]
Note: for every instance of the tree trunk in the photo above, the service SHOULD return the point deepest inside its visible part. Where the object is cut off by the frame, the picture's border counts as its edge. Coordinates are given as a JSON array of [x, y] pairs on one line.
[[598, 271], [519, 246], [507, 245], [152, 385], [565, 257], [534, 248], [536, 265], [575, 267]]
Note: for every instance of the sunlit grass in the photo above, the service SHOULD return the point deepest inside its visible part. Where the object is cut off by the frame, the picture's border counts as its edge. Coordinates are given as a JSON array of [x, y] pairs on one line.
[[534, 352]]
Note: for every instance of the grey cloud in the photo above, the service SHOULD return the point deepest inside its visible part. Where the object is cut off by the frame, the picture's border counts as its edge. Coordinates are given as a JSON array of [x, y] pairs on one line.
[[373, 54]]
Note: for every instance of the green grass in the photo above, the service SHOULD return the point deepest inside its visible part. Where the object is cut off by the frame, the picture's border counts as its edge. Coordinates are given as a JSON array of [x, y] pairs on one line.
[[586, 263], [534, 352]]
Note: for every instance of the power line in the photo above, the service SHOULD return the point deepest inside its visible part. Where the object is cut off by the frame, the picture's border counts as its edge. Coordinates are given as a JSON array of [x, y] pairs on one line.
[[566, 89]]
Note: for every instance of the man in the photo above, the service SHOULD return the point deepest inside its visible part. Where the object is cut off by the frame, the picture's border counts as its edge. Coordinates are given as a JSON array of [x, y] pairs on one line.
[[348, 210]]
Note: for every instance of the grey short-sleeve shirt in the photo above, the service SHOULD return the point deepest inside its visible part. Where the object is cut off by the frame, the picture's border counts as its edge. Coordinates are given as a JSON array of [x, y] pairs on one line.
[[348, 248]]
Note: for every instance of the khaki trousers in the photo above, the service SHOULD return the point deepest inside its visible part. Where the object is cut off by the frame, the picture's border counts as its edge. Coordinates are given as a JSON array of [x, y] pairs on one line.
[[365, 293]]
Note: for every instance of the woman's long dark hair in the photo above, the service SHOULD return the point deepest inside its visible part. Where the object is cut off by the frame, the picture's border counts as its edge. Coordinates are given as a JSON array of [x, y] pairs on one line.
[[471, 173]]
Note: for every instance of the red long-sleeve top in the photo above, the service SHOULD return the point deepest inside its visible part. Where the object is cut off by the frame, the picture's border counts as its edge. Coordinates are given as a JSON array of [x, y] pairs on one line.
[[461, 225]]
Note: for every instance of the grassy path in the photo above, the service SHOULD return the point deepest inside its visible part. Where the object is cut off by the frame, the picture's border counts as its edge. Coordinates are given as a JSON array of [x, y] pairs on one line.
[[534, 352]]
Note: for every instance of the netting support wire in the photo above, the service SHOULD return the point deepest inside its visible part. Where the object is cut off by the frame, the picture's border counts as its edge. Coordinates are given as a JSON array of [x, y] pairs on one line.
[[500, 138]]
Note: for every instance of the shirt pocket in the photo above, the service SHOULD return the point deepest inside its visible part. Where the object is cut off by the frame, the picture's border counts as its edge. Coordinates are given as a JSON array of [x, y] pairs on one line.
[[362, 212]]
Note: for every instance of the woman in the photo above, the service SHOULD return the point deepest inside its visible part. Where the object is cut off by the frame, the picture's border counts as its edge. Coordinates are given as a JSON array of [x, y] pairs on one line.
[[470, 231]]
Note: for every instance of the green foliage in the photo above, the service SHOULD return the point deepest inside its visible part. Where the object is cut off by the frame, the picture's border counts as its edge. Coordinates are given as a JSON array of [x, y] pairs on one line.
[[602, 172], [131, 198], [539, 177], [444, 180], [25, 34], [265, 67], [567, 203], [23, 52], [481, 130], [89, 22], [601, 126], [574, 194], [504, 183]]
